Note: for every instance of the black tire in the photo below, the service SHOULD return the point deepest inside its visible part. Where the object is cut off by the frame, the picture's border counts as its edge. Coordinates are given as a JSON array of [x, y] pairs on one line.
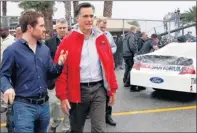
[[157, 89], [141, 88]]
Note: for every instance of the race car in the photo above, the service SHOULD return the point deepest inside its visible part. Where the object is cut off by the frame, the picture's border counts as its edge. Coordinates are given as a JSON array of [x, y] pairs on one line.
[[172, 67]]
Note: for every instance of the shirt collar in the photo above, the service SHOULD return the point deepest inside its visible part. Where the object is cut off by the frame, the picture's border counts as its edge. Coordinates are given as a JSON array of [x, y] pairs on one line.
[[92, 34], [59, 38], [25, 42], [106, 32]]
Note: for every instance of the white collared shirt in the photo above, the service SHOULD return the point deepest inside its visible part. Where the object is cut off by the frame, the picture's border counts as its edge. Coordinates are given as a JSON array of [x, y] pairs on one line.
[[90, 67], [6, 42], [111, 41]]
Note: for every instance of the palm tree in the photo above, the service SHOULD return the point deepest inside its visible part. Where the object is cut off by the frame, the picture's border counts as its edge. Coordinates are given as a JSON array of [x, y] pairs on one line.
[[189, 16], [0, 8], [67, 6], [107, 10], [4, 8], [45, 7], [75, 4]]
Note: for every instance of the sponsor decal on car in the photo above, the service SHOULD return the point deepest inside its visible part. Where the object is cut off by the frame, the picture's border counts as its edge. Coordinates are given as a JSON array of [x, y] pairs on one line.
[[193, 81], [156, 80], [168, 68], [142, 65]]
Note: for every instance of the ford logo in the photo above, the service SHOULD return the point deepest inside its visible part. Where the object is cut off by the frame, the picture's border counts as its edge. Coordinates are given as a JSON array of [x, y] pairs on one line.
[[156, 80]]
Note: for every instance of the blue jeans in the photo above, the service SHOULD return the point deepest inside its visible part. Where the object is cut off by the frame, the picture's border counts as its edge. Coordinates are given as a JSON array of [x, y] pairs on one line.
[[30, 117]]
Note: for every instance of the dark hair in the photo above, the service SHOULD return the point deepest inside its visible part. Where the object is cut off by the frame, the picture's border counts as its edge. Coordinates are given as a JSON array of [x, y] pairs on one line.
[[142, 33], [4, 28], [153, 36], [29, 18], [83, 5]]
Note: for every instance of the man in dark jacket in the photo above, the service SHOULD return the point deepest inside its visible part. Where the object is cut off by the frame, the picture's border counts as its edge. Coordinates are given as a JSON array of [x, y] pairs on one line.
[[129, 49], [141, 40], [118, 55], [149, 45], [53, 43]]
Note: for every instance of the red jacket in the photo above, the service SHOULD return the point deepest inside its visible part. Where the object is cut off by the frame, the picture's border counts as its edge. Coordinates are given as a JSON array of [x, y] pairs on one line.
[[68, 83]]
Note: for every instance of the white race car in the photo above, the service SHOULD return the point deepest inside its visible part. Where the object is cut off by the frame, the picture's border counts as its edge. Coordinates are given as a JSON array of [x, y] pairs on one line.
[[172, 67]]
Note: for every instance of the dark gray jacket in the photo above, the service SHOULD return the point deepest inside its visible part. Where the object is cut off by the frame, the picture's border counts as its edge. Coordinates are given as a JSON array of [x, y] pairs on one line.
[[147, 47], [129, 45]]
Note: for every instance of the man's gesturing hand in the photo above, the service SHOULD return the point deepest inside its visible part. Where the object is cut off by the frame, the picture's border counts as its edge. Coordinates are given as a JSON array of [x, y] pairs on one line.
[[62, 57], [65, 105], [9, 96]]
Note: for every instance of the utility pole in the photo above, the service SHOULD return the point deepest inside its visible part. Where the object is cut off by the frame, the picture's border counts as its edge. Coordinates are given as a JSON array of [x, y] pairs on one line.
[[0, 8], [123, 32], [155, 30], [176, 19]]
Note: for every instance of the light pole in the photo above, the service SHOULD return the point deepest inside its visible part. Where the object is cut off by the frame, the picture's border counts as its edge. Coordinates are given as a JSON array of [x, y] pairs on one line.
[[179, 17], [165, 23], [176, 18], [168, 19]]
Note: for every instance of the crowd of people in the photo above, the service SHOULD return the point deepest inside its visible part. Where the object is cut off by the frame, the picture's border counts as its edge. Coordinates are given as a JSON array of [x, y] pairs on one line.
[[135, 43], [69, 74]]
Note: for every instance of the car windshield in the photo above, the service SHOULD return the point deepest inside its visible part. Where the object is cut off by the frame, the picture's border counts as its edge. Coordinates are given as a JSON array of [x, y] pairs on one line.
[[164, 60]]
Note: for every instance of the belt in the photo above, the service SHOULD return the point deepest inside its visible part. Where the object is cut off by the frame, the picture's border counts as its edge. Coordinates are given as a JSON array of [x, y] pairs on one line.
[[28, 100], [91, 83], [41, 95]]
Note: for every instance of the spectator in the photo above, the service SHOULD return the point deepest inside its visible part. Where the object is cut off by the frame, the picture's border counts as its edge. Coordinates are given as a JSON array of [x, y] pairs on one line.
[[102, 25], [19, 33], [55, 109], [129, 50], [141, 40], [189, 37], [6, 39], [119, 64], [149, 45]]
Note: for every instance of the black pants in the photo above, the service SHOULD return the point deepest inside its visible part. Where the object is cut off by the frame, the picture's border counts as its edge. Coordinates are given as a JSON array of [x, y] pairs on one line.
[[118, 59], [9, 115], [93, 98], [128, 66], [108, 108]]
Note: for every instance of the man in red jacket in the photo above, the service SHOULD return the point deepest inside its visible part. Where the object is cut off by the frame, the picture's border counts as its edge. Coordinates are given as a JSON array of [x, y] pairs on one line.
[[88, 73]]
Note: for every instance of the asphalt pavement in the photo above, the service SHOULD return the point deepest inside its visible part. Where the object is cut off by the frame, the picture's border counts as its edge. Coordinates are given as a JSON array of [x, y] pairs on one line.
[[148, 111]]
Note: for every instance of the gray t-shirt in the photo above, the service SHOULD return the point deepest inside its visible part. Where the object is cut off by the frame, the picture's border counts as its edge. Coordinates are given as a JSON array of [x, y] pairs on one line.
[[147, 47]]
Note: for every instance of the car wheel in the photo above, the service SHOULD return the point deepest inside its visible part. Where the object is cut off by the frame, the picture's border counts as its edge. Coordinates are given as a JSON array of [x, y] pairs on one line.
[[141, 88], [157, 89]]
